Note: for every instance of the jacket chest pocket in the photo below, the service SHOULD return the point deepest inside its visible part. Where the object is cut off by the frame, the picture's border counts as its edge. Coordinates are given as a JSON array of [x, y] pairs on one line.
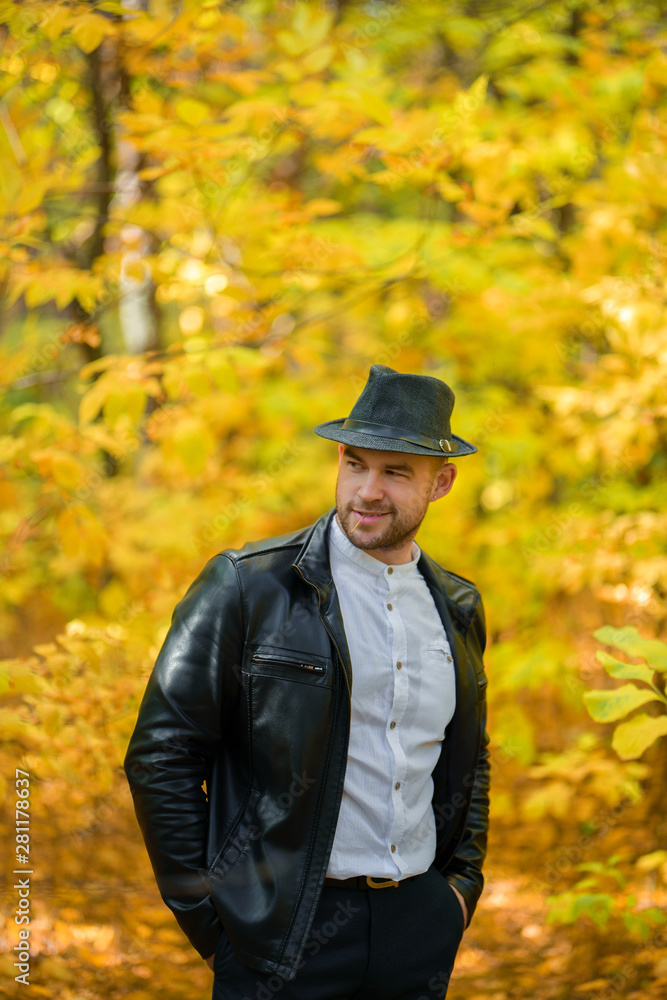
[[290, 712], [289, 665], [271, 661]]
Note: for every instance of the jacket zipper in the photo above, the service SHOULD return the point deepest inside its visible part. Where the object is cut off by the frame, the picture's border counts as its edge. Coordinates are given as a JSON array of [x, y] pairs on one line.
[[327, 630], [312, 667], [333, 724]]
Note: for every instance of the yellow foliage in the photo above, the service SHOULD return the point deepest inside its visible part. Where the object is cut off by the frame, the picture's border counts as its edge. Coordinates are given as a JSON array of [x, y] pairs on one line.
[[88, 30], [293, 194], [191, 111], [82, 535]]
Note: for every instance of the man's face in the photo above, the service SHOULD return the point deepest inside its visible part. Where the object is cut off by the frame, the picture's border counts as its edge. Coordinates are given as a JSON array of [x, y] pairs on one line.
[[382, 497]]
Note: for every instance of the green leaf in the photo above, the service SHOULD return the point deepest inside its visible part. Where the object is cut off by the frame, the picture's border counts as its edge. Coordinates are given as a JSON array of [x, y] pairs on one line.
[[608, 706], [124, 400], [632, 738], [631, 642], [591, 882], [626, 671], [635, 924], [597, 905], [649, 862]]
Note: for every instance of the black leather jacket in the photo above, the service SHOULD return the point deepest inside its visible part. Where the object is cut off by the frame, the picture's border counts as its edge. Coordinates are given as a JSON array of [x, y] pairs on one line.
[[251, 695]]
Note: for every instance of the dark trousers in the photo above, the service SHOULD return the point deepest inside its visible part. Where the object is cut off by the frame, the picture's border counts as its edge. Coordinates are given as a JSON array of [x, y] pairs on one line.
[[380, 944]]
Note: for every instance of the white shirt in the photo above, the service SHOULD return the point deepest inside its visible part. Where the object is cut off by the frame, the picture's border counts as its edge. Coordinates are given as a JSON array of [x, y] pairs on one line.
[[386, 826]]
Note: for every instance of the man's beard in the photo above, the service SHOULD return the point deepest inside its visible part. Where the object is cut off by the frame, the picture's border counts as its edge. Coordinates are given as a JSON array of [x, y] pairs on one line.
[[400, 529]]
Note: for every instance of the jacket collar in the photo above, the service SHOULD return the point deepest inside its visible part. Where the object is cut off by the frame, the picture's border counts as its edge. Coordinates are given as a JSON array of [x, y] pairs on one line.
[[312, 562], [455, 598], [459, 597], [313, 565]]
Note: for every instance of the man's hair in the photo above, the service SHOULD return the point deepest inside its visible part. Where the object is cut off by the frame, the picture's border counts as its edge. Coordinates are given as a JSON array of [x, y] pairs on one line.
[[440, 461]]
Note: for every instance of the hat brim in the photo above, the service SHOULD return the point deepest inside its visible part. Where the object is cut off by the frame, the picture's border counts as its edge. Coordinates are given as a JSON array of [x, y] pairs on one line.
[[332, 430]]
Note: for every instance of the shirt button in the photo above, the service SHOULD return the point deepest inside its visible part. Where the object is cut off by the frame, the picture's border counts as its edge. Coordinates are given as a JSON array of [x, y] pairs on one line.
[[393, 848], [397, 785], [390, 571], [389, 606], [450, 659], [393, 725], [399, 664]]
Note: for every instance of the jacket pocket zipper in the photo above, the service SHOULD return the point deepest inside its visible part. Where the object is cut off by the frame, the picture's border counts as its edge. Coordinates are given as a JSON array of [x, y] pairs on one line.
[[310, 667]]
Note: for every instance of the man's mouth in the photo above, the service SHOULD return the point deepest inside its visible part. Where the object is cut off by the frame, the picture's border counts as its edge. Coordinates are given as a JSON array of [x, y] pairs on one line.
[[370, 518]]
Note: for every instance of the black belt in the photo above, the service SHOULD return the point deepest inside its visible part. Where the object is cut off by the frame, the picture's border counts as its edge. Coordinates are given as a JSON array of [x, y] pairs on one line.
[[364, 882]]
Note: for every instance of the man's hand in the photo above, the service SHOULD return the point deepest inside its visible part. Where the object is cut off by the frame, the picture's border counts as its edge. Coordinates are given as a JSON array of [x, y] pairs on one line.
[[462, 902], [210, 960]]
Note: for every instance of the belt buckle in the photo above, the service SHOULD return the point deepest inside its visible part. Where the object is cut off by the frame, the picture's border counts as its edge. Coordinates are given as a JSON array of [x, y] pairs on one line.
[[388, 883]]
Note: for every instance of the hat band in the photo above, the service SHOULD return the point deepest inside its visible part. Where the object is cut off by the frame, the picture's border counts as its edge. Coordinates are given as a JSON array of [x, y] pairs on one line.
[[397, 433]]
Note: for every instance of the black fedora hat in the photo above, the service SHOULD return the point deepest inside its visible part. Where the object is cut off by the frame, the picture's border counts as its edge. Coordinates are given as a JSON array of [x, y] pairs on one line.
[[398, 412]]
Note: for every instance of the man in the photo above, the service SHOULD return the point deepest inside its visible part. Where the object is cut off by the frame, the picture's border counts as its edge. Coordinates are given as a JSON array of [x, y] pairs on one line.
[[328, 688]]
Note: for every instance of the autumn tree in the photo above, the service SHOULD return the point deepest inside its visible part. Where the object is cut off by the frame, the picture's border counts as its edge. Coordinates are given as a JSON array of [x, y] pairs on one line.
[[215, 217]]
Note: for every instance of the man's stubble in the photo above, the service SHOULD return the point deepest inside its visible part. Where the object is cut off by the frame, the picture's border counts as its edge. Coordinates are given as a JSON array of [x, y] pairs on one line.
[[401, 529]]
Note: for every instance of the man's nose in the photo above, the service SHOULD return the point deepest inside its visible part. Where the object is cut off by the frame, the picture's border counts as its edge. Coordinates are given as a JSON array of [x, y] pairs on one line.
[[371, 487]]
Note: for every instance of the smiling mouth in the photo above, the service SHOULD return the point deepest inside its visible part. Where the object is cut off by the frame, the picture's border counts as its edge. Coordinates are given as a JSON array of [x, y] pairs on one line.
[[370, 517]]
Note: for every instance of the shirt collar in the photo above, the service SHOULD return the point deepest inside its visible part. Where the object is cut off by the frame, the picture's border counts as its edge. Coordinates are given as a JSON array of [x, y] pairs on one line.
[[369, 563]]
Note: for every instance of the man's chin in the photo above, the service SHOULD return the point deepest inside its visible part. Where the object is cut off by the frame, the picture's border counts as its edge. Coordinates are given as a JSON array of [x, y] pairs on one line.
[[370, 539]]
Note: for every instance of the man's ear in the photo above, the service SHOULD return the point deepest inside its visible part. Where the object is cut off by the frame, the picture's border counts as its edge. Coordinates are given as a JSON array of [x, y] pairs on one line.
[[444, 481]]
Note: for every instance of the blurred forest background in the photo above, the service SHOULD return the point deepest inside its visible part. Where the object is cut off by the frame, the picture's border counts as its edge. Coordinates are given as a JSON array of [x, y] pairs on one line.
[[215, 218]]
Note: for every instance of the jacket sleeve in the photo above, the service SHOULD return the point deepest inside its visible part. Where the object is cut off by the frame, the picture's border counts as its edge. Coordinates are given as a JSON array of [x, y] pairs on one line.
[[176, 735], [465, 869]]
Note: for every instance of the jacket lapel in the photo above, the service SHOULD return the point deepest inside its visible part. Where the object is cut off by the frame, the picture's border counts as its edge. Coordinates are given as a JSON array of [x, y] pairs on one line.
[[312, 564], [455, 606], [449, 775]]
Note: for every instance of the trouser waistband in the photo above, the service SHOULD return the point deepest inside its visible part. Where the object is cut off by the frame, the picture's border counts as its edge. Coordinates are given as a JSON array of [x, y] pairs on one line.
[[365, 882]]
